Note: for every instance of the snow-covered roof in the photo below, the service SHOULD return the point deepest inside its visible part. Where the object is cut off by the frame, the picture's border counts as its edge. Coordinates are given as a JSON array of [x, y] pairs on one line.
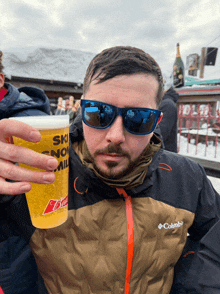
[[70, 66], [47, 63]]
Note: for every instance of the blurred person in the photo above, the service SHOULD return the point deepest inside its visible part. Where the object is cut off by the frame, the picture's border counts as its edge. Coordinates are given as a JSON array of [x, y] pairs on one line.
[[18, 271], [71, 111], [77, 104], [59, 106], [168, 126], [67, 104], [77, 107], [74, 109], [24, 101], [63, 107], [69, 101], [70, 104], [132, 204]]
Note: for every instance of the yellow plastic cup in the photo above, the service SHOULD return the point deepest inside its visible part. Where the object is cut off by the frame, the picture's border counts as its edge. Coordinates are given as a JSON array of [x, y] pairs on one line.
[[48, 203]]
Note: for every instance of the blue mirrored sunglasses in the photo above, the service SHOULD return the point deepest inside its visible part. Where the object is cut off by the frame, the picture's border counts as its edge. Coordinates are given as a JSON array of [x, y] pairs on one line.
[[137, 121]]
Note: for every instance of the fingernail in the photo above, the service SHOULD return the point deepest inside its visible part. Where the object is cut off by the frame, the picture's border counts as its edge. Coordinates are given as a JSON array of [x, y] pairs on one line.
[[52, 163], [34, 136], [25, 188], [48, 178]]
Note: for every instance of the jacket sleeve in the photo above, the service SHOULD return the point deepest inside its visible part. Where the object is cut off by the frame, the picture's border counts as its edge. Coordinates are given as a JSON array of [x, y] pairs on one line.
[[198, 269], [18, 269], [186, 270], [209, 261], [207, 211]]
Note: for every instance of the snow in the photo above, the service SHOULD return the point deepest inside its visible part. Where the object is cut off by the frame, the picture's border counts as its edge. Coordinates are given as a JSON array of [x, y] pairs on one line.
[[215, 183], [203, 152], [204, 131], [209, 152], [47, 63]]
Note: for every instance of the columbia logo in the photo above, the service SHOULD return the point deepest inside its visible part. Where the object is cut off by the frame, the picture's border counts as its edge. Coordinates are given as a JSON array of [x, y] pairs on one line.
[[166, 226]]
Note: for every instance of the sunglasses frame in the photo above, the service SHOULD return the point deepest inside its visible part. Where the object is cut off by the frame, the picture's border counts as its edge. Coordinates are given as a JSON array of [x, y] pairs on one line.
[[120, 111]]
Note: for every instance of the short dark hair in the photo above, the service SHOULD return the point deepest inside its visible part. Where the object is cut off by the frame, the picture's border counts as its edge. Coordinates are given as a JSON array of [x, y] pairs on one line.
[[123, 60], [1, 65]]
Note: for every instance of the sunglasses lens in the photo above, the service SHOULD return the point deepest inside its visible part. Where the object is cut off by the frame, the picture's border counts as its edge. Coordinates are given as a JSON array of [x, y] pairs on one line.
[[138, 121], [98, 115]]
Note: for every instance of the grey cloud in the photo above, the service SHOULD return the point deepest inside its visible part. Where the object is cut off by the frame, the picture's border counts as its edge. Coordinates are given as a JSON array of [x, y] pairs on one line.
[[92, 25], [28, 12]]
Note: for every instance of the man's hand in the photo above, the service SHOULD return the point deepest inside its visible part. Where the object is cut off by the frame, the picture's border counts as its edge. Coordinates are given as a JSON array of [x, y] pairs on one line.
[[10, 154]]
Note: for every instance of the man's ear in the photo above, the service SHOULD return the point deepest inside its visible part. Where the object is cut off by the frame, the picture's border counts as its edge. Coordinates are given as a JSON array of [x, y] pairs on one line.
[[2, 80], [159, 119]]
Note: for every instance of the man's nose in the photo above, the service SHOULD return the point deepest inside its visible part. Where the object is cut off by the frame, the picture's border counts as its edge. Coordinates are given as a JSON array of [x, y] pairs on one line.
[[116, 132]]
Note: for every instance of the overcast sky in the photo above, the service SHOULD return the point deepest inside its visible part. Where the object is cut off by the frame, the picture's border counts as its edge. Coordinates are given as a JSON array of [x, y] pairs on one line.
[[93, 25]]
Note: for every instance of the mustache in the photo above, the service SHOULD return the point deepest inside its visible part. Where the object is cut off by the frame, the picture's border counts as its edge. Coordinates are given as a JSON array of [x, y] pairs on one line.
[[112, 148]]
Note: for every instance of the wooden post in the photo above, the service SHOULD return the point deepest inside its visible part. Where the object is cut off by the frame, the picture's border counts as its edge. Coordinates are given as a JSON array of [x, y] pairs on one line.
[[202, 62]]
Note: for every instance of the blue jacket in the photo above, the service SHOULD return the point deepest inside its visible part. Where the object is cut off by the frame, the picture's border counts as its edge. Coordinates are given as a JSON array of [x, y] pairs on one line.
[[18, 271], [25, 101]]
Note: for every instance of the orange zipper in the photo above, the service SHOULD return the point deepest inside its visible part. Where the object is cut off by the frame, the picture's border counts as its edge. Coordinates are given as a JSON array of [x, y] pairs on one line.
[[130, 226]]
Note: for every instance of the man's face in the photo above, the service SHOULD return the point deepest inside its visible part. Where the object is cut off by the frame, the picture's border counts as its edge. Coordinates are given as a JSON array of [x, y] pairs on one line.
[[114, 150]]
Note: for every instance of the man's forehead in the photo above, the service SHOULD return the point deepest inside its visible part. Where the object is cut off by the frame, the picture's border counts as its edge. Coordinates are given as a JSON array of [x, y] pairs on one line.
[[127, 81], [125, 90]]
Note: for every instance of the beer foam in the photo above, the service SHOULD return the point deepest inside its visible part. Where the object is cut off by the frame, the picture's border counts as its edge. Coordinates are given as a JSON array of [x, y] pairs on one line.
[[47, 122]]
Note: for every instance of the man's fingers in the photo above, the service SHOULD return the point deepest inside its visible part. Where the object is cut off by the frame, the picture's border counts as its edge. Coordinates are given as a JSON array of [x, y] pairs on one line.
[[27, 156], [7, 188], [18, 129], [10, 154], [20, 154], [13, 172]]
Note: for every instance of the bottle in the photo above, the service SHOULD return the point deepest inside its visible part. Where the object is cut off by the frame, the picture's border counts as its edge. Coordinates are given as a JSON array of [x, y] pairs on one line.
[[59, 105], [178, 70], [63, 108]]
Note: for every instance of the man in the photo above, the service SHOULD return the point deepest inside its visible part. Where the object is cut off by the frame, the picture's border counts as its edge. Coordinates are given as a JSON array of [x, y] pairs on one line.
[[131, 203], [18, 271], [168, 125]]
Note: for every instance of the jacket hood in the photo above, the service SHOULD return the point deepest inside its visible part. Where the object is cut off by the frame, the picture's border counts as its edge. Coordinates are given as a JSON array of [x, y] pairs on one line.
[[24, 101], [171, 94]]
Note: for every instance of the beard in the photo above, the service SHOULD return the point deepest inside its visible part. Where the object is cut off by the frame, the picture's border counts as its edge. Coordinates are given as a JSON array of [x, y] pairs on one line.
[[111, 172]]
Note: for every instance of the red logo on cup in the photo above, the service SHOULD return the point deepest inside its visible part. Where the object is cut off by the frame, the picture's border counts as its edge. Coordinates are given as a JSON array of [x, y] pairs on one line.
[[54, 205]]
